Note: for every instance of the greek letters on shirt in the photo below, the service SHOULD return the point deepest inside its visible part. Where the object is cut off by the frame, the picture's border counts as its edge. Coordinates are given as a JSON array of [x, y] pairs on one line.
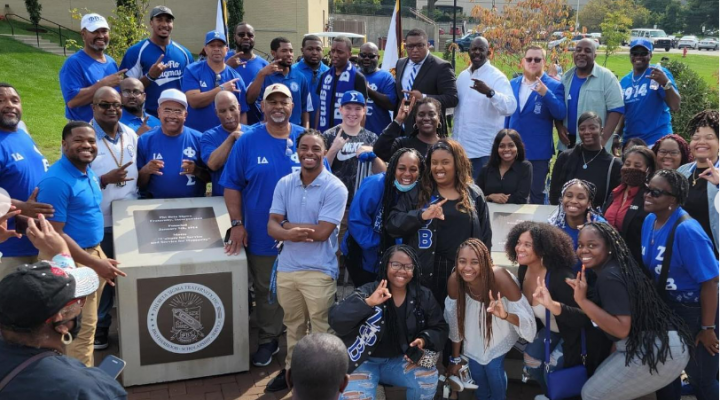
[[370, 102], [367, 335], [659, 257]]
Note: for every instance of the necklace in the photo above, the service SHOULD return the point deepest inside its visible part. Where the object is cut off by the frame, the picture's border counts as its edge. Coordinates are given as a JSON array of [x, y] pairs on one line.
[[694, 178], [112, 153], [473, 294], [655, 231], [632, 78], [586, 163]]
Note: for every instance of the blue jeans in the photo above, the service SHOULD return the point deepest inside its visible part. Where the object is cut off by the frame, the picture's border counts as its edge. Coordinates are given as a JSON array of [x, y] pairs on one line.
[[421, 383], [491, 379], [535, 352], [540, 169], [477, 164], [105, 304]]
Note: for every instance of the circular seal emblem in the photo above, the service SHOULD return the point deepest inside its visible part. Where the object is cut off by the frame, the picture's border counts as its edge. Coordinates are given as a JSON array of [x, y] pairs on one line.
[[294, 86], [185, 318]]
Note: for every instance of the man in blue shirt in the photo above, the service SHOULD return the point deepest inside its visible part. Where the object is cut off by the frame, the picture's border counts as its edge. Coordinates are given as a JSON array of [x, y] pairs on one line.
[[133, 99], [204, 79], [158, 62], [217, 142], [650, 94], [169, 156], [89, 69], [73, 189], [305, 215], [244, 60], [381, 89], [312, 67], [540, 103], [281, 71]]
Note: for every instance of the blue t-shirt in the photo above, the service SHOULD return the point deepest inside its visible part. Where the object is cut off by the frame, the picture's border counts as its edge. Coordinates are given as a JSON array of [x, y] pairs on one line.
[[142, 55], [135, 122], [248, 72], [647, 116], [76, 197], [22, 166], [299, 88], [209, 142], [572, 103], [172, 150], [378, 119], [78, 72], [199, 76], [693, 260], [313, 78]]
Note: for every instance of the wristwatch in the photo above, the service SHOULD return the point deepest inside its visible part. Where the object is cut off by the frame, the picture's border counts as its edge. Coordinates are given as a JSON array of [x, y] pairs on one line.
[[491, 94], [151, 79], [236, 222], [709, 327], [668, 85]]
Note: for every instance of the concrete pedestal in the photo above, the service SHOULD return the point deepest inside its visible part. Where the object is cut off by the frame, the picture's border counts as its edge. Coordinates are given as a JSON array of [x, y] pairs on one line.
[[182, 309]]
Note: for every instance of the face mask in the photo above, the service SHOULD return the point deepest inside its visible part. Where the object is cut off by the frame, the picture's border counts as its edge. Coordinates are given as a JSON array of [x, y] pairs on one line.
[[632, 177], [404, 188], [76, 325]]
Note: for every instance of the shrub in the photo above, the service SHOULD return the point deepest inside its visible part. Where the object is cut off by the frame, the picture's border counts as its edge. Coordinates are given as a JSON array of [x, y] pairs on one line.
[[33, 8], [696, 94]]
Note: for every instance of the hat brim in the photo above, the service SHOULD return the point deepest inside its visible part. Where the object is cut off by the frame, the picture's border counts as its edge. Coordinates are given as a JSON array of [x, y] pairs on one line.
[[87, 281], [163, 13]]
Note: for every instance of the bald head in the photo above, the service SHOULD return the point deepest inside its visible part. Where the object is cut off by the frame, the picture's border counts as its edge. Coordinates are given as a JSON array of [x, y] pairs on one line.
[[584, 55], [368, 58], [369, 47], [106, 108], [479, 50], [106, 92], [228, 110]]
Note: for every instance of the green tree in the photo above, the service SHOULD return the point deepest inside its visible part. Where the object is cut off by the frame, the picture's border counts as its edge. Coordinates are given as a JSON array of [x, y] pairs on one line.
[[362, 7], [701, 13], [674, 18], [33, 8], [615, 31], [595, 11], [236, 12]]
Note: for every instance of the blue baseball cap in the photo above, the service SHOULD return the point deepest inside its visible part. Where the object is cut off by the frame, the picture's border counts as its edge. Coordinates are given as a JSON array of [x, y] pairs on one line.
[[352, 97], [642, 43], [214, 35]]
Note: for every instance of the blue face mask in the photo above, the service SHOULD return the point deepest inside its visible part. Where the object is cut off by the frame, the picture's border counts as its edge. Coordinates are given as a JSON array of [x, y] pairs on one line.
[[404, 188]]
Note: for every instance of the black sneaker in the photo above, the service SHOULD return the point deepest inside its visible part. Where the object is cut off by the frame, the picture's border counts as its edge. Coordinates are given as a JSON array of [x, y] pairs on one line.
[[264, 353], [101, 339], [278, 383]]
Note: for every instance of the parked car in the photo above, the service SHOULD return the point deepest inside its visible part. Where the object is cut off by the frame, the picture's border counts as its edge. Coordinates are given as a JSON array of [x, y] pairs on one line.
[[597, 35], [708, 44], [463, 43], [658, 37], [556, 43], [688, 41], [580, 37]]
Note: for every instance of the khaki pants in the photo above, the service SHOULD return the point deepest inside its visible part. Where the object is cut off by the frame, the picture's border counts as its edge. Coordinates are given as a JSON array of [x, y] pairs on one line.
[[304, 295], [10, 264], [269, 317], [82, 346]]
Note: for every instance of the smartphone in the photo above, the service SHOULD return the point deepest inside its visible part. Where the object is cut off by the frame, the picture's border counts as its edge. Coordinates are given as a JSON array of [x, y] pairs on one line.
[[112, 366], [21, 224], [414, 354], [227, 235]]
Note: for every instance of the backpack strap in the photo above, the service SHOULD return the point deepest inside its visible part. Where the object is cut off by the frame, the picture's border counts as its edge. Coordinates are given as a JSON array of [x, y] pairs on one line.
[[667, 256], [9, 377]]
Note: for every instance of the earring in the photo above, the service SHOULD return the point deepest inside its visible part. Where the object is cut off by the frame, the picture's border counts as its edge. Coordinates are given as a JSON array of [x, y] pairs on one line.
[[670, 208], [66, 338], [609, 252]]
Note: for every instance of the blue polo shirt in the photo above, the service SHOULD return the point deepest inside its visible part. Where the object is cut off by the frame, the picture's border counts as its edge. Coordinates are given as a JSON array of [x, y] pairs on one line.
[[299, 88], [142, 55], [323, 200], [22, 166], [199, 76], [248, 72], [76, 197], [209, 142], [135, 122], [172, 150], [647, 116], [378, 119], [313, 79], [78, 72]]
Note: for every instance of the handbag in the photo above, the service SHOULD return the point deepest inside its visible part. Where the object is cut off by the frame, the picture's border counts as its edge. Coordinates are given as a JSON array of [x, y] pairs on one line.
[[567, 382]]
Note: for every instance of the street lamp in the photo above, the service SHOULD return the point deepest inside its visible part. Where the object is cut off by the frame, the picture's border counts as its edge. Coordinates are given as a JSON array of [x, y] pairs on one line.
[[577, 15], [453, 29]]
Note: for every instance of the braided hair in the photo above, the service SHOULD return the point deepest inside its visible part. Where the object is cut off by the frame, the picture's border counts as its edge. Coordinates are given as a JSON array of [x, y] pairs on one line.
[[487, 279], [707, 118], [651, 317], [685, 154], [679, 185], [558, 216]]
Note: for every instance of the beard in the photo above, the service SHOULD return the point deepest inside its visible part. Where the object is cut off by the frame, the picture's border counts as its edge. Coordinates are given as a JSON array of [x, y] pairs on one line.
[[10, 123], [368, 70], [278, 120], [246, 47], [134, 109]]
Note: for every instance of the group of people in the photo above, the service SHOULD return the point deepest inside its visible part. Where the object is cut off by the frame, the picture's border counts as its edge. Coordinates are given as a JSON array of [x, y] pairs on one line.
[[324, 167]]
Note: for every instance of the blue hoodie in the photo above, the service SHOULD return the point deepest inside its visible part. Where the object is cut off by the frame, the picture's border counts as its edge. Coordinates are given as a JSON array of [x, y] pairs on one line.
[[364, 220]]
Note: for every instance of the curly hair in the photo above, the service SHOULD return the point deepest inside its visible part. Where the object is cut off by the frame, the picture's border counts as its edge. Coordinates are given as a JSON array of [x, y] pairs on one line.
[[487, 279], [554, 247], [707, 118], [515, 137], [389, 192], [679, 185], [463, 175], [685, 154], [651, 317]]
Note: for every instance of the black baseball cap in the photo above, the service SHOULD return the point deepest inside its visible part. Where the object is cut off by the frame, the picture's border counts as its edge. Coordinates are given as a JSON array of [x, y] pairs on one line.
[[160, 10], [36, 292]]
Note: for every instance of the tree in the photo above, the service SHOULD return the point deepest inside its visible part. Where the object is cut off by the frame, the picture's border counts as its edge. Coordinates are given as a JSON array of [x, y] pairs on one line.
[[697, 95], [701, 13], [595, 11], [673, 20], [236, 12], [362, 7], [615, 31], [33, 8]]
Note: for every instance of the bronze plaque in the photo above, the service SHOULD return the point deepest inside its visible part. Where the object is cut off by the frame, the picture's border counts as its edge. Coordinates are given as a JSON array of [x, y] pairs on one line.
[[176, 229]]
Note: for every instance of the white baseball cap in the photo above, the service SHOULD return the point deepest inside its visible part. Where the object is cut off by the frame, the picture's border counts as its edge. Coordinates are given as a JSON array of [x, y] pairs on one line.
[[93, 22], [173, 95], [277, 88]]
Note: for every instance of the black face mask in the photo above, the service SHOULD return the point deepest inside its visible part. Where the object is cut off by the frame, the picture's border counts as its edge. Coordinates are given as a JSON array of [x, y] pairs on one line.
[[76, 325], [632, 177]]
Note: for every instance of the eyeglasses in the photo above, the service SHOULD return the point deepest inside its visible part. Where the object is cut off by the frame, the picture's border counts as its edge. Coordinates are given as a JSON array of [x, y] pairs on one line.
[[640, 53], [367, 55], [169, 111], [106, 106], [537, 60], [218, 77], [415, 46], [396, 266], [673, 153], [244, 34], [656, 192], [132, 93]]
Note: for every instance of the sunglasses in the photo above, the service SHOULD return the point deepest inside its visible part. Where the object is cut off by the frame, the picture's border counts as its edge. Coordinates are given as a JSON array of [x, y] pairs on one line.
[[537, 60], [367, 55], [106, 106], [246, 34], [218, 77], [639, 53], [655, 193]]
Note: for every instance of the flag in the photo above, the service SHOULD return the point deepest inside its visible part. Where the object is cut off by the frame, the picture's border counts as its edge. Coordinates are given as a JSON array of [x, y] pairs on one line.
[[393, 45], [221, 18]]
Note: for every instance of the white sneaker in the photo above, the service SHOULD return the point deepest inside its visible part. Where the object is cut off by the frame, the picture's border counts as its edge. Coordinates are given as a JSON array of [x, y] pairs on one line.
[[541, 397]]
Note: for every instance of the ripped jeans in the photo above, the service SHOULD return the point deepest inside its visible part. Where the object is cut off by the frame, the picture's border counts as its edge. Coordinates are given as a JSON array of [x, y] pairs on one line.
[[534, 357], [421, 383]]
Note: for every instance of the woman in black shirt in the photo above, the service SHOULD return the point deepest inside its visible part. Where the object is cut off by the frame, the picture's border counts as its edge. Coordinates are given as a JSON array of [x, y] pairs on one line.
[[588, 161], [426, 131], [507, 176]]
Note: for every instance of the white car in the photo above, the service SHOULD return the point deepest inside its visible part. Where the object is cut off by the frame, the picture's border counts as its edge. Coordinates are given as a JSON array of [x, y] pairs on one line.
[[688, 41], [708, 44]]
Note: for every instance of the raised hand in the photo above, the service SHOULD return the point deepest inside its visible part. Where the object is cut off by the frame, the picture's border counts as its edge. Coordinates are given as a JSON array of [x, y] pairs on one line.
[[481, 87], [188, 167], [434, 211], [231, 86], [496, 307], [658, 75], [44, 237], [31, 208], [413, 94], [234, 61], [710, 174], [153, 167], [6, 233], [270, 68], [404, 110], [540, 87], [114, 79], [117, 175], [542, 294], [380, 295], [579, 286], [157, 69], [144, 127]]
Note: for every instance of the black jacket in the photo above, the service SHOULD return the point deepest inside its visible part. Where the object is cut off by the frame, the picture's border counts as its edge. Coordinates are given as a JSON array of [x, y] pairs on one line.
[[632, 224], [568, 165], [361, 327], [570, 322], [405, 221]]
